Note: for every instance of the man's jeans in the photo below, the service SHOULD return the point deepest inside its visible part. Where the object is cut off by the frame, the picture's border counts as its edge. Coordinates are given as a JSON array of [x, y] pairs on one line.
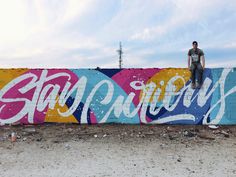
[[196, 68]]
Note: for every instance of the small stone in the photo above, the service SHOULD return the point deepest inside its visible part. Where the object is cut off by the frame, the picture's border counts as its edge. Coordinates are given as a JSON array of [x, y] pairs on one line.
[[171, 129], [149, 133], [164, 145], [206, 136], [13, 137], [29, 130], [187, 146], [188, 133], [56, 141], [200, 161], [2, 138], [172, 137], [123, 134], [9, 147], [216, 131], [225, 133], [39, 139], [95, 136], [67, 146], [142, 136], [70, 130], [164, 135]]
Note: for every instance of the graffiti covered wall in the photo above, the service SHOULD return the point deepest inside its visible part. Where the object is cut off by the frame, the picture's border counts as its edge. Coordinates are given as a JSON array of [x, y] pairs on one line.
[[131, 96]]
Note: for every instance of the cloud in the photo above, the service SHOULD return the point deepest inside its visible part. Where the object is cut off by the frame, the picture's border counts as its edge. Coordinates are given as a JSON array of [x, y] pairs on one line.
[[87, 33], [182, 13], [37, 29]]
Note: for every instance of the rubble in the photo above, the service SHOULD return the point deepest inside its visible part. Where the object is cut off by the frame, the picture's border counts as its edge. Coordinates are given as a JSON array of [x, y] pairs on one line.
[[179, 159], [69, 130], [225, 133], [169, 143], [13, 137], [2, 138], [29, 130], [182, 133], [189, 133], [206, 136], [149, 133], [67, 146]]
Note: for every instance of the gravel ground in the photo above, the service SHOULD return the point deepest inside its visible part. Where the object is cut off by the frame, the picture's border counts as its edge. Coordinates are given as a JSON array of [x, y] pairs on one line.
[[117, 150]]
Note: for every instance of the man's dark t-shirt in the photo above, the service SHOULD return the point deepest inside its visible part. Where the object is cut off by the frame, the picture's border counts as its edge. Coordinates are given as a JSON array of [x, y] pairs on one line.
[[195, 55]]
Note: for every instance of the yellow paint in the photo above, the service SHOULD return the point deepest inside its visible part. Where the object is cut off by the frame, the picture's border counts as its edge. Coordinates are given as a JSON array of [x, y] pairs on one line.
[[53, 115], [164, 76], [7, 75]]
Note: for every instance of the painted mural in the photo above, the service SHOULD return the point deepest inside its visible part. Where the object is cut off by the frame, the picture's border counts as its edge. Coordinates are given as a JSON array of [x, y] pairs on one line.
[[129, 96]]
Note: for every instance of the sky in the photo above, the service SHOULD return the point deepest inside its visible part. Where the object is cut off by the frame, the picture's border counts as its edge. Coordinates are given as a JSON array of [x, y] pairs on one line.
[[86, 33]]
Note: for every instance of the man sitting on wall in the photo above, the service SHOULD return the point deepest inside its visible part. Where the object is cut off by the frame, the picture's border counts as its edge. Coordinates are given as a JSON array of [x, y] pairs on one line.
[[196, 64]]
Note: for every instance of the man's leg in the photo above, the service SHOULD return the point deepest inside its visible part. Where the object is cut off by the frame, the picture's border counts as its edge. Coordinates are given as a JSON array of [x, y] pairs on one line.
[[200, 73], [193, 72]]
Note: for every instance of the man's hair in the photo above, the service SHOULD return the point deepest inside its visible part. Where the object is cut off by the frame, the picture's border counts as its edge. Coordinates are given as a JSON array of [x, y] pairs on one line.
[[195, 42]]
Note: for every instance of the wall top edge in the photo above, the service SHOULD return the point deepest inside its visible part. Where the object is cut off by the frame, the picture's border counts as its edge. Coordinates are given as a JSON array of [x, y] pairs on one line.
[[105, 68]]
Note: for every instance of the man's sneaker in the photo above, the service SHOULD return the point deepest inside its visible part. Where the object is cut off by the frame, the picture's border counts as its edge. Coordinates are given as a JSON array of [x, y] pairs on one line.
[[193, 86]]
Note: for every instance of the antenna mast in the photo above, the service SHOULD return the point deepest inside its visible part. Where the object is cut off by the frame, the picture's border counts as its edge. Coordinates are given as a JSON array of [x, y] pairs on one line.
[[120, 53]]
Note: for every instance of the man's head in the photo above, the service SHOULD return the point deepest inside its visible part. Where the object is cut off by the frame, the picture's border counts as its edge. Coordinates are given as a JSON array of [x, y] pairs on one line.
[[195, 44]]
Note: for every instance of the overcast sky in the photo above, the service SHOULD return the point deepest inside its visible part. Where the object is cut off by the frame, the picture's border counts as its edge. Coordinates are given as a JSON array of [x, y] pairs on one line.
[[86, 33]]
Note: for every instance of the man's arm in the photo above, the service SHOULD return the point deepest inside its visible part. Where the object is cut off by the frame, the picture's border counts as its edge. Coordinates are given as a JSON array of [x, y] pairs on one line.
[[203, 61], [189, 58], [188, 62]]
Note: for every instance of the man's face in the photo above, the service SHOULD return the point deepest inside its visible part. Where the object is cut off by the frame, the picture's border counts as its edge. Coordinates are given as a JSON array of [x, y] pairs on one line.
[[194, 46]]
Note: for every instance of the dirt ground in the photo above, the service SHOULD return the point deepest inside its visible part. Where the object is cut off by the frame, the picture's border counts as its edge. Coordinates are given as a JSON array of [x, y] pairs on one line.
[[117, 150]]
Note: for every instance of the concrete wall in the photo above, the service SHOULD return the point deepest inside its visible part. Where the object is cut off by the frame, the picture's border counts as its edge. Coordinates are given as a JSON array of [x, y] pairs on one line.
[[130, 96]]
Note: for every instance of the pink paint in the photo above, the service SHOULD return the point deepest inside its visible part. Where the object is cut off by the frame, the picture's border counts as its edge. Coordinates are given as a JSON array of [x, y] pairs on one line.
[[93, 118], [126, 76], [13, 108]]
